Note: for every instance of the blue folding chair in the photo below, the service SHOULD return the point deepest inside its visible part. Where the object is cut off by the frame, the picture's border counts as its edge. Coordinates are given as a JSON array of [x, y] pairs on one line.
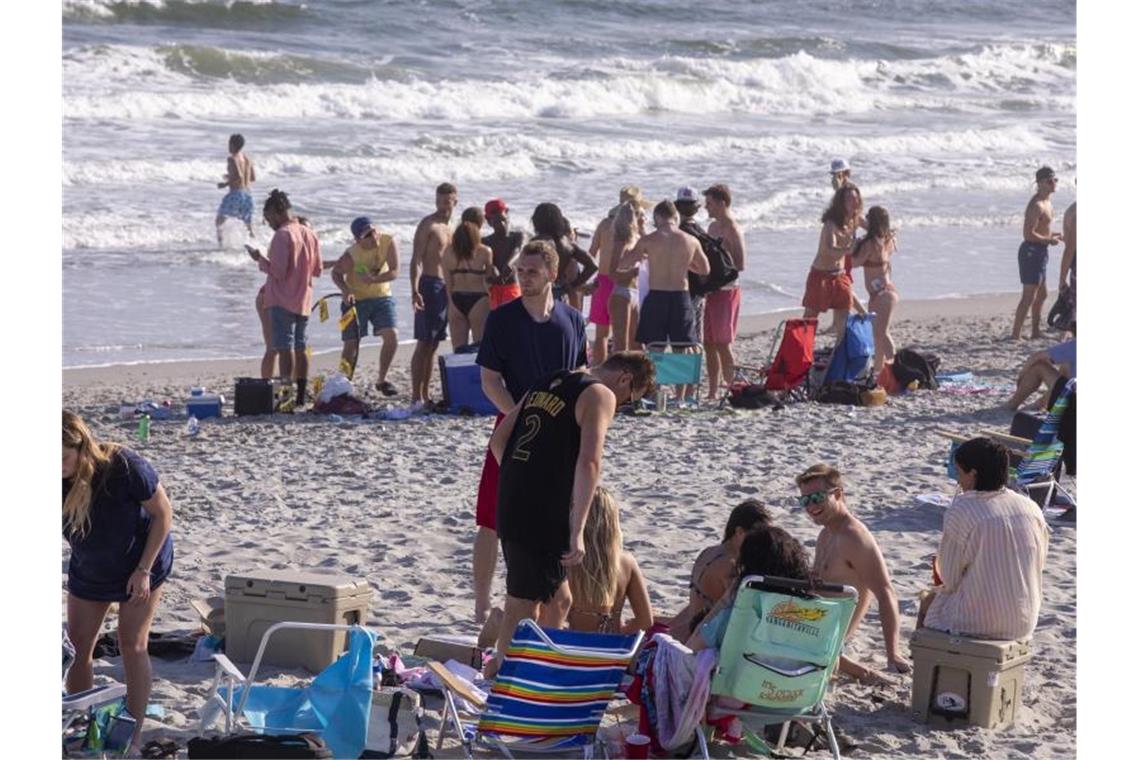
[[852, 356], [336, 705], [675, 368]]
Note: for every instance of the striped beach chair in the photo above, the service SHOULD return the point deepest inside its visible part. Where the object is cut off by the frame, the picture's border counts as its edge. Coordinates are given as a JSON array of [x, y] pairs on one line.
[[1036, 471], [549, 695]]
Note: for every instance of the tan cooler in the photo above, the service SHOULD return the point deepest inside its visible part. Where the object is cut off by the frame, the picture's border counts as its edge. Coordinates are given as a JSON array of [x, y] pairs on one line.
[[961, 681], [257, 600]]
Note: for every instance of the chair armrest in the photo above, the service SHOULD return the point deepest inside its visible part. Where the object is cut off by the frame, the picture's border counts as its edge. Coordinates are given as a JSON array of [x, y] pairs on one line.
[[453, 684], [226, 666]]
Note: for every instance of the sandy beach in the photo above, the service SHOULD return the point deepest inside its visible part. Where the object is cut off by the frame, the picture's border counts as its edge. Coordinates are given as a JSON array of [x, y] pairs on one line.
[[393, 502]]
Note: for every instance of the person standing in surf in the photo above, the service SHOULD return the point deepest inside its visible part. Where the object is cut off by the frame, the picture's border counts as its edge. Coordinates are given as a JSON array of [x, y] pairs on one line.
[[1033, 255], [238, 202]]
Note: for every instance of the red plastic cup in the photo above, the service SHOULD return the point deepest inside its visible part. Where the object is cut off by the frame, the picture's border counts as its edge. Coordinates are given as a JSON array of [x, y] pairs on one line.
[[637, 746]]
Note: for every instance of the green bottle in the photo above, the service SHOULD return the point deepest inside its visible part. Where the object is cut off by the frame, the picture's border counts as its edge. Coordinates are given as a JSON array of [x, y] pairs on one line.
[[144, 428]]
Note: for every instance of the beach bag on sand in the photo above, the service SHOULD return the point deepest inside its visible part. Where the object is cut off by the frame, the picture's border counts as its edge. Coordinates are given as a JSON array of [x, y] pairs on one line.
[[909, 366], [751, 396], [252, 745], [1061, 316], [345, 404], [840, 392]]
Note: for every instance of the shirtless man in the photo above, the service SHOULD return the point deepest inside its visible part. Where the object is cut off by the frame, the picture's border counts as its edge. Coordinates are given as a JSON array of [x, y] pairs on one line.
[[846, 552], [722, 307], [505, 245], [239, 176], [429, 294], [1069, 257], [1033, 255], [841, 177]]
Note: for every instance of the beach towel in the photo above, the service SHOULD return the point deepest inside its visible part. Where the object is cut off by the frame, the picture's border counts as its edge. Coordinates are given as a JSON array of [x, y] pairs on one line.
[[681, 690]]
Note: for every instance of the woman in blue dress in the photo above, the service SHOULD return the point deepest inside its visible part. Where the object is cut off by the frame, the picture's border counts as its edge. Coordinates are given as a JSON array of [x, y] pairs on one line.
[[116, 518]]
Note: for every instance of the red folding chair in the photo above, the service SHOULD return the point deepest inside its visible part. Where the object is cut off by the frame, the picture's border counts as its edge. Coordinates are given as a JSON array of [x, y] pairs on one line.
[[788, 367]]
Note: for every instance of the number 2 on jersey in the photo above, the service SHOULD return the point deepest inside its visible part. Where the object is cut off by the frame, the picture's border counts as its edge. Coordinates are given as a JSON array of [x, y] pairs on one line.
[[533, 425]]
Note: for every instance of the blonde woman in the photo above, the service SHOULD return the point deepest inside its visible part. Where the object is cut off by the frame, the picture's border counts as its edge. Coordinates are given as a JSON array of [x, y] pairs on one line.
[[629, 225], [116, 518], [607, 577]]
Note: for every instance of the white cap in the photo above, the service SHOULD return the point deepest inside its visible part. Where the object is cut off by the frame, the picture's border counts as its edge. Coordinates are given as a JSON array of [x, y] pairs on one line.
[[688, 193], [839, 165]]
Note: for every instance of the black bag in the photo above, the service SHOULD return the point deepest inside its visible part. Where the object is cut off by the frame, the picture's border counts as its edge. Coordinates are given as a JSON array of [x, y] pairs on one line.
[[909, 365], [251, 745], [253, 395], [750, 396], [721, 269], [841, 392], [1061, 315]]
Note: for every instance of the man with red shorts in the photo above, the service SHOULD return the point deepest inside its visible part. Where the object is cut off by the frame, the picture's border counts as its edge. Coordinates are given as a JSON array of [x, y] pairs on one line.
[[505, 245], [828, 286], [722, 307], [524, 341]]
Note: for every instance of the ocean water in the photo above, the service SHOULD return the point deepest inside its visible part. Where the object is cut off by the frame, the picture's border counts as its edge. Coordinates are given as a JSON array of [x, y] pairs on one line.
[[944, 108]]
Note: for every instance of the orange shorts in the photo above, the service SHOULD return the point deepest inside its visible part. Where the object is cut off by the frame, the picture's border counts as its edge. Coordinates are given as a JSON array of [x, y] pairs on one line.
[[501, 294], [827, 290]]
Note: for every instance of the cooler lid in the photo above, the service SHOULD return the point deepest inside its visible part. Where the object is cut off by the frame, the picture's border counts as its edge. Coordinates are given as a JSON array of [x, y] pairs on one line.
[[295, 584], [986, 648]]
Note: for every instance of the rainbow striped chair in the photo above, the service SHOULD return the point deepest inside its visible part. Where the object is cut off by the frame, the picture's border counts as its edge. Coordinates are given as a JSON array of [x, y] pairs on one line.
[[549, 695]]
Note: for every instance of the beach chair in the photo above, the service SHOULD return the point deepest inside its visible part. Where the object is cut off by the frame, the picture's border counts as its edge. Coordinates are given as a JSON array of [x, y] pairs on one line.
[[674, 368], [549, 695], [786, 370], [1035, 465], [84, 704], [781, 645], [336, 705], [852, 356]]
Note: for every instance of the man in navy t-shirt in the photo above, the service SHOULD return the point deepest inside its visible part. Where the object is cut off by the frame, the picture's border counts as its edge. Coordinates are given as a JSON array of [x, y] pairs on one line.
[[523, 341]]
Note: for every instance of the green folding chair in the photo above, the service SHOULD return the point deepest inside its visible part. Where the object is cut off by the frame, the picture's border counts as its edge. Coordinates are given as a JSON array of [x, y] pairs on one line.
[[675, 368]]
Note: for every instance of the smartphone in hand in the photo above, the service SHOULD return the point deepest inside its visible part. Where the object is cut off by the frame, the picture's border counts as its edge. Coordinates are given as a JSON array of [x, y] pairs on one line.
[[253, 252]]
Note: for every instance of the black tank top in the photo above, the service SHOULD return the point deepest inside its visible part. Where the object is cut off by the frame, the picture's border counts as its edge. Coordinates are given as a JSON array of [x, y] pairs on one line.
[[536, 476]]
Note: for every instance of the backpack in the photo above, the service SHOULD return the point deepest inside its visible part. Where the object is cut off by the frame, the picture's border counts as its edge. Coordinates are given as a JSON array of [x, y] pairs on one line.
[[751, 396], [252, 745], [721, 269], [1061, 315], [910, 366], [840, 392]]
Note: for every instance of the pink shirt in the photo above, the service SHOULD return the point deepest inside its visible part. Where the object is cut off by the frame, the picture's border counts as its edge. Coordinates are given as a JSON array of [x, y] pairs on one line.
[[294, 260]]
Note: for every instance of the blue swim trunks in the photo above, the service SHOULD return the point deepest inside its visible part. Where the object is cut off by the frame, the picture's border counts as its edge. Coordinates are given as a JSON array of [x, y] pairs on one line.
[[430, 323], [237, 203], [1032, 261]]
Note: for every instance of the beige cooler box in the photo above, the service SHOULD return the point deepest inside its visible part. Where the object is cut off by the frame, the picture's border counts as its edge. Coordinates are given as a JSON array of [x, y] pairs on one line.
[[257, 600], [962, 681]]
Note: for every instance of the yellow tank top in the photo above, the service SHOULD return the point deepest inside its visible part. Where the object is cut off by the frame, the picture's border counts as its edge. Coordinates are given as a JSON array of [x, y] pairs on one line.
[[372, 261]]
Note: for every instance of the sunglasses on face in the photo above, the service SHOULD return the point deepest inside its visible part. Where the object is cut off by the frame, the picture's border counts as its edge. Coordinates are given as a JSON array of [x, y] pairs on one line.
[[815, 497]]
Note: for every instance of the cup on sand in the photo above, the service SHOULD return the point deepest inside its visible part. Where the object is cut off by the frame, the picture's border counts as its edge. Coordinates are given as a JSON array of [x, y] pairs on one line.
[[637, 746]]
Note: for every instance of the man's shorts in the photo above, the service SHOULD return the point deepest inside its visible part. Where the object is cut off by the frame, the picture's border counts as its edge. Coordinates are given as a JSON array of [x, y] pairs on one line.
[[287, 330], [1032, 259], [237, 203], [380, 312], [431, 322], [827, 290], [533, 573], [487, 500], [501, 294], [667, 317], [722, 314], [600, 301]]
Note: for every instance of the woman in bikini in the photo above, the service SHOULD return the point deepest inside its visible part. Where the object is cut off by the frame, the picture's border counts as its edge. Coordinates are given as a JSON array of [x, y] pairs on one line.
[[466, 264], [628, 227], [607, 577], [715, 568], [874, 253]]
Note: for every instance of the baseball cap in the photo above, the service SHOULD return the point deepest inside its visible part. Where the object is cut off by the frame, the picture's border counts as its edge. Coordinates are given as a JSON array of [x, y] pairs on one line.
[[632, 193], [839, 165], [495, 207], [1046, 172], [689, 194], [360, 225]]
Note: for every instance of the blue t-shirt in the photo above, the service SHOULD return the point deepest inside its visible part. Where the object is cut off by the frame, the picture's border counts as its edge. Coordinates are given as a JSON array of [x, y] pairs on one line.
[[103, 559], [1065, 353], [525, 351]]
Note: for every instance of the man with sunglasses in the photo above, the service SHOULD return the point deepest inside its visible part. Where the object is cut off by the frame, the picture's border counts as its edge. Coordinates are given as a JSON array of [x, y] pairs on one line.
[[847, 553], [525, 340], [1033, 255]]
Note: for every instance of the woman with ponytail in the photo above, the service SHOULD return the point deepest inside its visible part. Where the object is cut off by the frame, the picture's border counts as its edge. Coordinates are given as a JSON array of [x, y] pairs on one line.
[[116, 518]]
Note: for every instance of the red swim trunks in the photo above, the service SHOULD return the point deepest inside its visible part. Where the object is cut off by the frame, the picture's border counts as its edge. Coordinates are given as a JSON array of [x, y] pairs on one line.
[[827, 290], [488, 497], [722, 314], [501, 294]]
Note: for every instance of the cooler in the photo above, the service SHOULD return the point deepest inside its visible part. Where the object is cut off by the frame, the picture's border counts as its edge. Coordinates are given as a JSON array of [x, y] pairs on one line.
[[203, 405], [961, 681], [462, 386], [257, 600]]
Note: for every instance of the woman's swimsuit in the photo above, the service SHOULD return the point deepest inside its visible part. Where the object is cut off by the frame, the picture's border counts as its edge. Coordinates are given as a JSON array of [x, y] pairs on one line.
[[607, 621], [877, 285], [465, 300], [711, 555]]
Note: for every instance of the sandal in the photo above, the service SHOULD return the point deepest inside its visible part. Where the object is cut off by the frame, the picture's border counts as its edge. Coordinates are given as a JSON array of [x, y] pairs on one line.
[[387, 388]]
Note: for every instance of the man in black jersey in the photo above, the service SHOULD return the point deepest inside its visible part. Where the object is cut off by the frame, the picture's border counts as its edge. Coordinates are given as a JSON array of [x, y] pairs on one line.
[[549, 449]]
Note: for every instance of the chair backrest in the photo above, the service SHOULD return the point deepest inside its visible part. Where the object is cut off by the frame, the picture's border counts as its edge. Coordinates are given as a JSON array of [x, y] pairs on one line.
[[854, 352], [675, 368], [1045, 452], [782, 642], [556, 684], [793, 359]]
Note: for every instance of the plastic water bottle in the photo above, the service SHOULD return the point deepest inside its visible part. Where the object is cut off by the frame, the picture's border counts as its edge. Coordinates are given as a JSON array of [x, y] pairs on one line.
[[144, 428], [192, 426]]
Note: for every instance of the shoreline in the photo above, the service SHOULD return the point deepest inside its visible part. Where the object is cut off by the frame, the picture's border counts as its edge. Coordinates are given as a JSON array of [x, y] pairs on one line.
[[168, 370]]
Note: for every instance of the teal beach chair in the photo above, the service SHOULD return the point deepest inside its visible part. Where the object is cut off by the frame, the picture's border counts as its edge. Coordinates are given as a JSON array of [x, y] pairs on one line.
[[780, 647], [674, 368], [336, 705]]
